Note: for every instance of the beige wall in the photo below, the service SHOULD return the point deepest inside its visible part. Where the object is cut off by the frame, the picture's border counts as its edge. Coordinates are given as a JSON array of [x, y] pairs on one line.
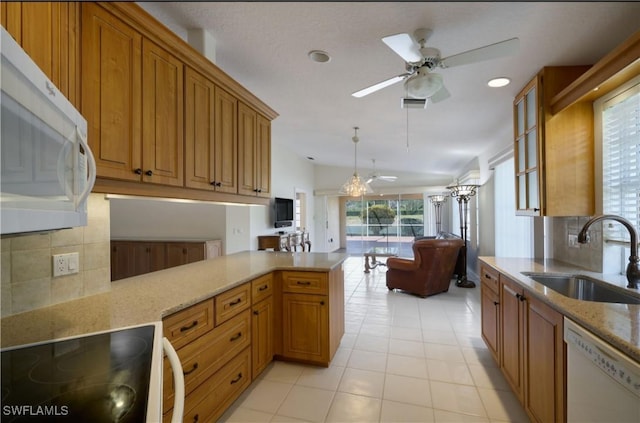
[[27, 281]]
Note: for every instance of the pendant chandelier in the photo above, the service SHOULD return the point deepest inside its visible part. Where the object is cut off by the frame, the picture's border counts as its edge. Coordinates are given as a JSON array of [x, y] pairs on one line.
[[355, 186]]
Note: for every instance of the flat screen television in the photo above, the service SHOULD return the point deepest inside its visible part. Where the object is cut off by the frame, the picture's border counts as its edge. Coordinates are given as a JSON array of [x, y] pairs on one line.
[[283, 212]]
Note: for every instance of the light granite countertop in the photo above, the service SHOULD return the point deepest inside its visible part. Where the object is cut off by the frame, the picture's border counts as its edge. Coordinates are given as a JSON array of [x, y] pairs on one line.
[[150, 297], [618, 324]]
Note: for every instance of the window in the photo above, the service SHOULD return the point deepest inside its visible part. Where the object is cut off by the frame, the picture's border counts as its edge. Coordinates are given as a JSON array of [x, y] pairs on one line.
[[513, 234], [620, 123]]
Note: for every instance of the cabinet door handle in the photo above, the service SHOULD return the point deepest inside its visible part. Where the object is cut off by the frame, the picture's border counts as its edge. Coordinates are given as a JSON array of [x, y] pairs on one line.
[[196, 418], [522, 298], [149, 173], [263, 287], [536, 210], [237, 379], [305, 283], [511, 291], [191, 326], [193, 369], [236, 337], [256, 312], [137, 171], [218, 184], [321, 302], [496, 303], [238, 301], [212, 183]]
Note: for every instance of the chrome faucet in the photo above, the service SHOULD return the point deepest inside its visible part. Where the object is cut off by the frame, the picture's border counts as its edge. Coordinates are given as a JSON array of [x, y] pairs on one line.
[[633, 268]]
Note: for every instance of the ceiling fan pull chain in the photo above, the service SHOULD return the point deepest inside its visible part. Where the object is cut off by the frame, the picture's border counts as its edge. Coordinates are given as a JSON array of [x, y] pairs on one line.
[[407, 129]]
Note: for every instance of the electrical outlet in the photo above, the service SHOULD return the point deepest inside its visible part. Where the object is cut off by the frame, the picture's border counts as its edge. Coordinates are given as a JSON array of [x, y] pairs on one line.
[[572, 241], [65, 264]]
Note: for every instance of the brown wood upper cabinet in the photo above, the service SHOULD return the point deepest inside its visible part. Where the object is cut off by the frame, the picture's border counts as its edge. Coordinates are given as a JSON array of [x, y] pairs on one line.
[[554, 166], [254, 152], [132, 97], [211, 152], [162, 117], [112, 92], [48, 32]]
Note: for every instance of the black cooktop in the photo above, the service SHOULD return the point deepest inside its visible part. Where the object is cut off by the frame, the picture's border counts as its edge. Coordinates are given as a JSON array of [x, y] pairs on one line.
[[94, 378]]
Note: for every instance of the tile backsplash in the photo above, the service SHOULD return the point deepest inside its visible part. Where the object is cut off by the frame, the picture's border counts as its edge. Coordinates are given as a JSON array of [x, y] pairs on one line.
[[587, 255], [26, 266]]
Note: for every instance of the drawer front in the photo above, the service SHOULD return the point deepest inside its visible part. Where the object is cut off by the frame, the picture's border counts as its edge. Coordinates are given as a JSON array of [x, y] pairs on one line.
[[305, 282], [490, 277], [205, 356], [232, 302], [209, 401], [186, 325], [261, 288]]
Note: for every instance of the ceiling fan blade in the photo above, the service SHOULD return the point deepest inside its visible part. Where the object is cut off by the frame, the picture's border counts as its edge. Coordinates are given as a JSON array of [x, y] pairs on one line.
[[379, 85], [368, 181], [404, 46], [492, 51], [441, 94], [388, 178]]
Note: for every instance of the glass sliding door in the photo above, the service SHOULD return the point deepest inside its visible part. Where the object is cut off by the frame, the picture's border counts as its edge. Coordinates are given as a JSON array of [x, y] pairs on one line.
[[384, 221]]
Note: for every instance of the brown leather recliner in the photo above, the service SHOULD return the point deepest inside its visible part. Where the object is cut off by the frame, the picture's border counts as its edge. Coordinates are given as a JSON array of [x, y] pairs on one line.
[[431, 270]]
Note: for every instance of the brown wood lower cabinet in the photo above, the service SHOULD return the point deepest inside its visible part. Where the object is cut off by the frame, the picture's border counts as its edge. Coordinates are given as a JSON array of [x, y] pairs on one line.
[[131, 258], [528, 345], [226, 341], [512, 330], [545, 354]]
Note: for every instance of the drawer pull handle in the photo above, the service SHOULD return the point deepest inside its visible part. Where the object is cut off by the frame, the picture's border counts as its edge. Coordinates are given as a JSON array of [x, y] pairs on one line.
[[193, 369], [238, 301], [305, 283], [263, 287], [191, 326], [237, 379], [236, 337], [486, 275]]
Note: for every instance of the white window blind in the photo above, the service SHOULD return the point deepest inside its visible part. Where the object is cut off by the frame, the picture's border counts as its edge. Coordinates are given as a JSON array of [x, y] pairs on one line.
[[621, 161], [513, 234]]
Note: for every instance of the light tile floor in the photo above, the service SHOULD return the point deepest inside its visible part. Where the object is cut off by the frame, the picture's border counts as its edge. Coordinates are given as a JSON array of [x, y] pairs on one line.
[[402, 359]]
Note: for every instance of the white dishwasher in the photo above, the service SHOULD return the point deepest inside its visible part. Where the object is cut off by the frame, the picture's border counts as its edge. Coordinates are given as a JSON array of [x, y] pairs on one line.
[[603, 384]]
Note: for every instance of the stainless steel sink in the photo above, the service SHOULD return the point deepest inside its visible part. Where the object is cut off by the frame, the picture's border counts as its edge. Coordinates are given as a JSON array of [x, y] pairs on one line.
[[584, 288]]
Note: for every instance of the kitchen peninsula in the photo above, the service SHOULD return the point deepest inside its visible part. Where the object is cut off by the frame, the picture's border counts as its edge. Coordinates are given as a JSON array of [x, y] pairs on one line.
[[227, 317]]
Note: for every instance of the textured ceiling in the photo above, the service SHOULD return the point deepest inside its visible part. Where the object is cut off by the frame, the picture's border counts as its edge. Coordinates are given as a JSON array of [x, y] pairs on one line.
[[264, 46]]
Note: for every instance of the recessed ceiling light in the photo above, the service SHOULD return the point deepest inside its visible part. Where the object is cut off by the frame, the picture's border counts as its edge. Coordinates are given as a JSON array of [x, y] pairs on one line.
[[319, 56], [499, 82]]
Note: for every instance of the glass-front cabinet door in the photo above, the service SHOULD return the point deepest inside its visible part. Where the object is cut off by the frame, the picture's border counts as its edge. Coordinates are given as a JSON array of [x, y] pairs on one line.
[[527, 151]]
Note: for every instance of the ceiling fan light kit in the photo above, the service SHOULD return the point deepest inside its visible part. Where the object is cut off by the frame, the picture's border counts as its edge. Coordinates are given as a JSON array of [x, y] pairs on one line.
[[424, 84]]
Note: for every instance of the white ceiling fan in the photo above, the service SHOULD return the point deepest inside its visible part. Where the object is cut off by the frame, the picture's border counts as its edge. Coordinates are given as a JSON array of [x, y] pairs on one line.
[[375, 175], [419, 80]]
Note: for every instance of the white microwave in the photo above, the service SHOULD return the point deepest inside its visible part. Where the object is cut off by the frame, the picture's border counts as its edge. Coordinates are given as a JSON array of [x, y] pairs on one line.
[[46, 167]]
